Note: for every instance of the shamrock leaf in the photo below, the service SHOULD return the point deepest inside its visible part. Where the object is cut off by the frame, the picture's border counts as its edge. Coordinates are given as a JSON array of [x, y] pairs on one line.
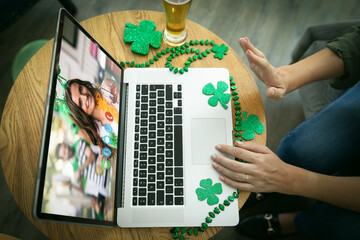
[[219, 51], [142, 36], [251, 125], [208, 191], [219, 94]]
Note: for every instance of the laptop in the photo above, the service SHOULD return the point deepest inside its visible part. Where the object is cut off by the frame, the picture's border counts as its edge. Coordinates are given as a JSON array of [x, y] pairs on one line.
[[128, 147]]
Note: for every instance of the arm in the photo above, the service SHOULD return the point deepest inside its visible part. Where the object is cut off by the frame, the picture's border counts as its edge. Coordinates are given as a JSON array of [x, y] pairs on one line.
[[282, 80], [267, 173]]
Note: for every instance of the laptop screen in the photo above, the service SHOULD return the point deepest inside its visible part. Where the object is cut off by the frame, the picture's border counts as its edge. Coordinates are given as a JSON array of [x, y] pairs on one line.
[[79, 160]]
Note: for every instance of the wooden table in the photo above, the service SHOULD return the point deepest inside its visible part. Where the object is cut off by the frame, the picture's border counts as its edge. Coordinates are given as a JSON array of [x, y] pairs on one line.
[[22, 119]]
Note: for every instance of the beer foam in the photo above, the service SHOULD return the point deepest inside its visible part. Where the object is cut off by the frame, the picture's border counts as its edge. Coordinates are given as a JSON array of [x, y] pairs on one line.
[[176, 2]]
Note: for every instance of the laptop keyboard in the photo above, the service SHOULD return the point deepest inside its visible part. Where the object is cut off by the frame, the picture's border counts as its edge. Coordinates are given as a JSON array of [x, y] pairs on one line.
[[158, 177]]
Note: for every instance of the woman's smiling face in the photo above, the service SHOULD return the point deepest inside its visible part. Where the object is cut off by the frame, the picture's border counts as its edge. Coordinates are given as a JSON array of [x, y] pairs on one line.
[[83, 98]]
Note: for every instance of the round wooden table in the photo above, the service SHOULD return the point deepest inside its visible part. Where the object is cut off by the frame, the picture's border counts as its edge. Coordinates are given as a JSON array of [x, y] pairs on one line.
[[22, 120]]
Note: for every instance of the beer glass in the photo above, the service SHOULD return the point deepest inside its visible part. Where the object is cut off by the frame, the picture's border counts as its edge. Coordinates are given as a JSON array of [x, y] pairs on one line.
[[176, 12]]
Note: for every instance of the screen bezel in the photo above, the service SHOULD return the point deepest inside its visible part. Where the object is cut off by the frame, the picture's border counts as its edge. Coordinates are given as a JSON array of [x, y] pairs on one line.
[[44, 147]]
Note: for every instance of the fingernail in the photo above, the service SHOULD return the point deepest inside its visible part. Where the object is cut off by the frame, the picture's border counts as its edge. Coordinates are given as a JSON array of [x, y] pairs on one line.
[[213, 157], [239, 143], [218, 147], [250, 52], [215, 165], [222, 178]]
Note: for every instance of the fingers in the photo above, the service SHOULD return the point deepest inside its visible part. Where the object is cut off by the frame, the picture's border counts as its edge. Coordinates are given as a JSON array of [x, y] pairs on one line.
[[232, 168], [246, 45], [246, 186], [253, 147]]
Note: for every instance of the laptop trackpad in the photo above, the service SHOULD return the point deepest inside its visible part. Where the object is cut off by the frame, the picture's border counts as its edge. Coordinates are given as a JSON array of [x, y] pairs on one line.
[[206, 133]]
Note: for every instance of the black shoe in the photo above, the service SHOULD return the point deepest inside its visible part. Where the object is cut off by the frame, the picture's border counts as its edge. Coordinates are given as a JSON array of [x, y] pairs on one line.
[[260, 226]]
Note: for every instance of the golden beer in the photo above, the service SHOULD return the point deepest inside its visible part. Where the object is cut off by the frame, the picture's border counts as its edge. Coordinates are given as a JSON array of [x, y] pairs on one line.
[[176, 12]]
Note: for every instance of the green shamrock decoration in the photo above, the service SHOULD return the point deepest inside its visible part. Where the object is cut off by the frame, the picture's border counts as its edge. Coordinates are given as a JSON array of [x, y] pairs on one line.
[[143, 36], [250, 125], [219, 51], [208, 191], [219, 94]]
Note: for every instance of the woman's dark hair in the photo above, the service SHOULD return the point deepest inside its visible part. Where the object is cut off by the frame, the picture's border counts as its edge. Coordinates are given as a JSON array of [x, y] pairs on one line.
[[79, 117]]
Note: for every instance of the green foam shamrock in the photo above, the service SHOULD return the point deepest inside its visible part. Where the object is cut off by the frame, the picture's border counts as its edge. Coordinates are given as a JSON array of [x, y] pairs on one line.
[[219, 94], [142, 36], [251, 125], [219, 51], [208, 191]]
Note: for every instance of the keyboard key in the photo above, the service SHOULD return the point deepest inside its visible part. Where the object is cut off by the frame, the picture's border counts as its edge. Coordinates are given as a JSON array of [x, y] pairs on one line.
[[152, 95], [179, 201], [169, 105], [152, 152], [160, 141], [160, 158], [144, 107], [169, 120], [152, 143], [161, 93], [152, 118], [142, 182], [168, 92], [151, 169], [177, 119], [160, 197], [160, 149], [136, 173], [169, 171], [143, 131], [151, 178], [144, 123], [178, 172], [177, 110], [160, 167], [136, 154], [142, 201], [169, 189], [137, 111], [169, 112], [144, 99], [178, 146], [160, 109], [179, 191], [135, 182], [151, 199], [134, 201], [152, 135], [169, 128], [169, 180], [152, 110], [179, 87], [160, 185], [169, 137], [143, 147], [160, 176], [169, 154], [144, 89], [152, 103], [152, 160], [169, 162], [143, 164], [160, 124], [152, 126], [142, 173], [169, 200], [178, 182], [143, 139], [142, 191], [135, 191], [143, 156], [169, 145], [151, 187], [136, 163]]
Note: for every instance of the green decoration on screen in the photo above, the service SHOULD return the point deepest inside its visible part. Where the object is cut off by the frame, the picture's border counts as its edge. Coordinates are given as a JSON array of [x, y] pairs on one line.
[[219, 51], [209, 191], [250, 125], [143, 36], [218, 93]]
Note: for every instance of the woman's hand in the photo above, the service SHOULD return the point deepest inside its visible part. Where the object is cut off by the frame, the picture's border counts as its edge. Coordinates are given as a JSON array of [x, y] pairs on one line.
[[263, 172], [275, 82]]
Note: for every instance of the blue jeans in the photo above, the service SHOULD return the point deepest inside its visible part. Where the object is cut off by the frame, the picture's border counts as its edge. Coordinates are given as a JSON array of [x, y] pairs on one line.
[[328, 143]]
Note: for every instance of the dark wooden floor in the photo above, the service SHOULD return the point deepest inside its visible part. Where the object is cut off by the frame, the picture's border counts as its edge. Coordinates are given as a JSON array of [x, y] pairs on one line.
[[274, 26]]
